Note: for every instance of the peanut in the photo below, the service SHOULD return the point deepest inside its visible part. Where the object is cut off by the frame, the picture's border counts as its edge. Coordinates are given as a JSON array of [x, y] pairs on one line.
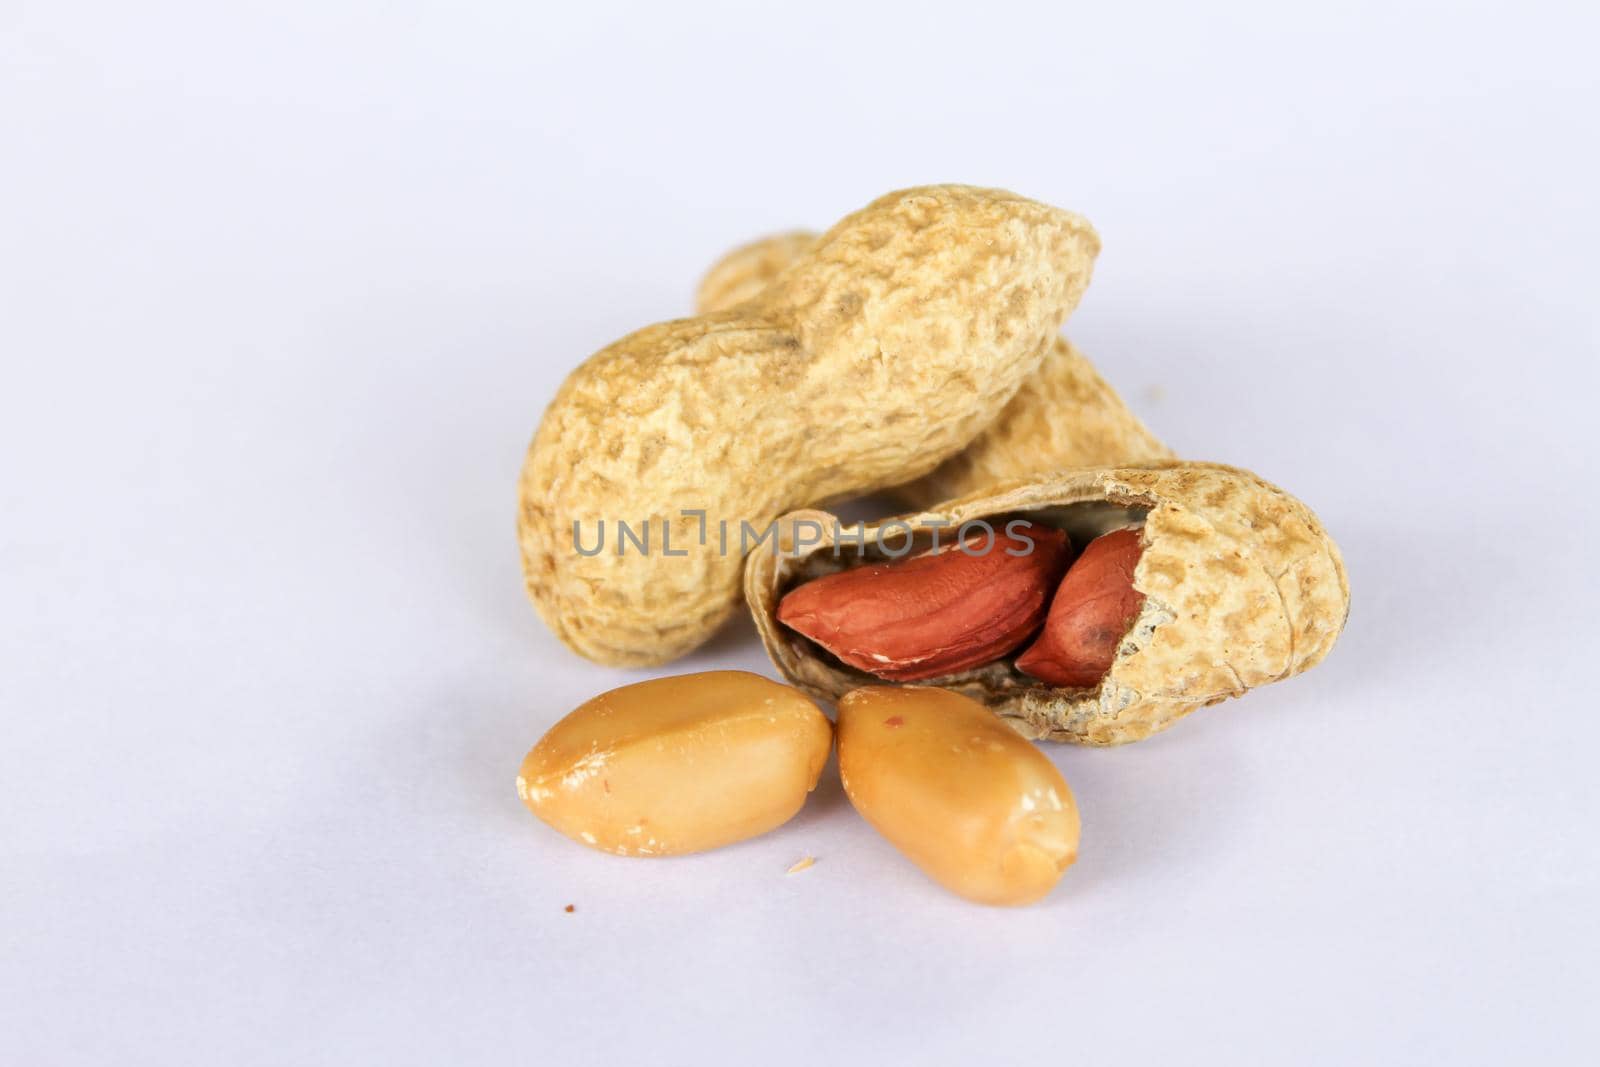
[[1242, 587], [935, 614], [980, 810], [1065, 415], [677, 765], [748, 269], [881, 351], [1092, 611]]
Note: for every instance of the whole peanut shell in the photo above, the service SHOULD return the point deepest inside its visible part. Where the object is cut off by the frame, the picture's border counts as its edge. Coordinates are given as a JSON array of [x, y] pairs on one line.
[[1065, 415], [878, 353], [1241, 584]]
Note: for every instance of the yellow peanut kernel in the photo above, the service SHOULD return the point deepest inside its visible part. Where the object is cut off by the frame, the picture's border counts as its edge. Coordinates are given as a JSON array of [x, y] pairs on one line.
[[677, 765], [955, 789]]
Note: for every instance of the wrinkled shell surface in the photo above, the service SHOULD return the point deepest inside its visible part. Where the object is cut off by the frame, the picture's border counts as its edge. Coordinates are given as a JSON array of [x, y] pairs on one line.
[[1242, 587], [748, 269], [1065, 415], [876, 355]]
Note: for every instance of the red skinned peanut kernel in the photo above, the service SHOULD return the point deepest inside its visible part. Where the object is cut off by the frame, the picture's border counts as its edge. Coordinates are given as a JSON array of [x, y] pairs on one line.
[[935, 614], [1092, 612]]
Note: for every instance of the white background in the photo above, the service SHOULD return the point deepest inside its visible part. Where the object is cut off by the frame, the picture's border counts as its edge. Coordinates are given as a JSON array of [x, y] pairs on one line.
[[284, 288]]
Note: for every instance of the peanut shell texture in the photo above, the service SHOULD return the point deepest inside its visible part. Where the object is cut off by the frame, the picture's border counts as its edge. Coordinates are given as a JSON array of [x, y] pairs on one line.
[[1065, 415], [886, 347]]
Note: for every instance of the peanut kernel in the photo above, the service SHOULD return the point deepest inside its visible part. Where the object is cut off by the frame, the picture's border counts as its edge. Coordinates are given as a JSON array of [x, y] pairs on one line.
[[677, 765], [955, 789]]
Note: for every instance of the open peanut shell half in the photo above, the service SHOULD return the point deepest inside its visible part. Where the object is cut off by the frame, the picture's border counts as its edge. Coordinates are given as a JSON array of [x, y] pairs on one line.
[[1241, 584]]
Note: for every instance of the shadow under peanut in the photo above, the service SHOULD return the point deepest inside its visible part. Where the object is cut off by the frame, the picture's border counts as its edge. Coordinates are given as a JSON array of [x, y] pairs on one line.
[[1159, 809]]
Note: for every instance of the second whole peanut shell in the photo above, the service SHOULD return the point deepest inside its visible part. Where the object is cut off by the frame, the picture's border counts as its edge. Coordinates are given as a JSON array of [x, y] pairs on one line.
[[1065, 415]]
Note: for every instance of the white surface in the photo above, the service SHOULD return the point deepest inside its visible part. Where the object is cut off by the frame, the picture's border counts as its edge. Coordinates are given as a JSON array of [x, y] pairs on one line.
[[284, 289]]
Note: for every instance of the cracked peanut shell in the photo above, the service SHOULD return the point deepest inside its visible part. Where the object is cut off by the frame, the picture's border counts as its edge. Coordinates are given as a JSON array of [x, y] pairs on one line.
[[1242, 587], [1065, 414], [878, 353]]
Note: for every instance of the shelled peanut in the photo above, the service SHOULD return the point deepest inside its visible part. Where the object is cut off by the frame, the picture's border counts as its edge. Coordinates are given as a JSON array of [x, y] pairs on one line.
[[678, 765], [962, 795], [942, 612], [1091, 611], [952, 609]]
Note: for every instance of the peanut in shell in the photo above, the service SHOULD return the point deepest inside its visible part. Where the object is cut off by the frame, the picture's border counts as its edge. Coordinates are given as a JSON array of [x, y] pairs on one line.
[[1065, 415], [886, 347], [1242, 587]]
